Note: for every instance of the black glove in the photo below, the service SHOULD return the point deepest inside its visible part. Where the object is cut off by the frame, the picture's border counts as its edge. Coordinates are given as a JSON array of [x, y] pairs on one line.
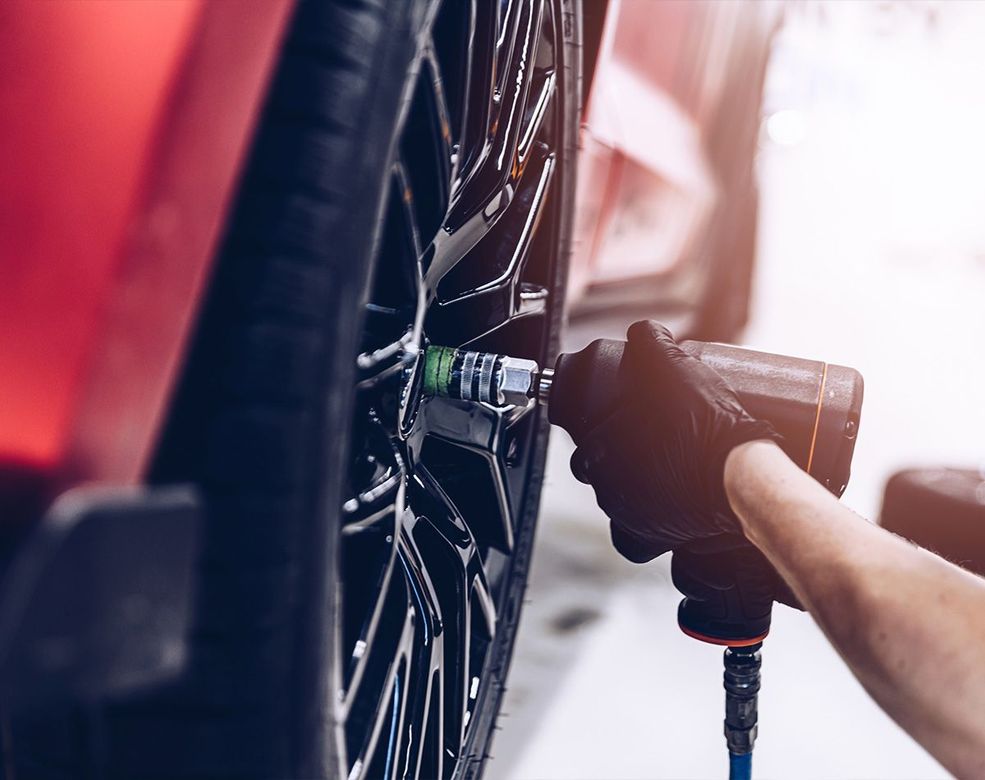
[[728, 591], [657, 463]]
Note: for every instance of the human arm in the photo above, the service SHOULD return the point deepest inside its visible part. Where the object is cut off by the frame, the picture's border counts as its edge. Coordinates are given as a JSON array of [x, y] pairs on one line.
[[909, 624], [681, 459]]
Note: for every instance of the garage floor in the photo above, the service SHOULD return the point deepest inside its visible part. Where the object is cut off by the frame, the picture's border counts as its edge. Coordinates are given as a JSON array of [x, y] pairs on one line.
[[872, 254]]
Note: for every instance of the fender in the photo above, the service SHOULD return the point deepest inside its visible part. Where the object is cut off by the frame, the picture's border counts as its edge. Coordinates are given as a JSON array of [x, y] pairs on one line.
[[122, 130]]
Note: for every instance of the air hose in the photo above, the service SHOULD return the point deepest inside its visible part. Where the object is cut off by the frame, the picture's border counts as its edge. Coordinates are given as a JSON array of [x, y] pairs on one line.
[[740, 766]]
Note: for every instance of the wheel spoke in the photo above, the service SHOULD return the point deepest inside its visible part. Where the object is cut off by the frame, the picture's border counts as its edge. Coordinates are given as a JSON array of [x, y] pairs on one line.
[[543, 85], [485, 432], [371, 759], [428, 664], [439, 103], [426, 149], [489, 185], [510, 243], [476, 427], [378, 484], [536, 121], [371, 526], [516, 55], [447, 545], [486, 292], [360, 650], [459, 239], [395, 315], [479, 84], [509, 238], [401, 181]]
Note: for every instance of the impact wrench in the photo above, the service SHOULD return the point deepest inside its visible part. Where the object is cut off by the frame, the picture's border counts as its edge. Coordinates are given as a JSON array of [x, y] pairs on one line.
[[814, 406]]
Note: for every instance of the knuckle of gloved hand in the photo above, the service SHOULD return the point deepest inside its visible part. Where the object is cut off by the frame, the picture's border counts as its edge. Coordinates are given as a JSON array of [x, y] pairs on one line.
[[592, 462], [629, 545], [579, 467], [649, 346], [650, 330]]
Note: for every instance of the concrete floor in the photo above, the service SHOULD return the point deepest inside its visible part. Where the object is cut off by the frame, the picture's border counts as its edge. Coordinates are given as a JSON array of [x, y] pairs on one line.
[[872, 254]]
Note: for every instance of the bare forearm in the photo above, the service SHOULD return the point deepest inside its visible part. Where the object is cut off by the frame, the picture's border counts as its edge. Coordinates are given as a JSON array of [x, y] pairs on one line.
[[910, 625]]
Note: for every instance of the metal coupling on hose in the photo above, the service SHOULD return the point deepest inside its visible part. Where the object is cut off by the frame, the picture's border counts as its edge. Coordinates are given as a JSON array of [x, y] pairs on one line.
[[742, 682], [544, 384]]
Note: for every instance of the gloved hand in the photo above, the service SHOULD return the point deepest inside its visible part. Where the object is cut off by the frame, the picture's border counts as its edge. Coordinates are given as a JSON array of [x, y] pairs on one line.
[[657, 463], [728, 591]]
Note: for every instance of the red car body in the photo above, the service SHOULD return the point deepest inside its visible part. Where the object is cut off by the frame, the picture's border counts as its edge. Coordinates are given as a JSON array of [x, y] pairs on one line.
[[122, 130], [647, 187]]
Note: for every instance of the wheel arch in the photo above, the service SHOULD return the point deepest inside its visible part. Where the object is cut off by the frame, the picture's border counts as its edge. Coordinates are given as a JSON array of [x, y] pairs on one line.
[[119, 190]]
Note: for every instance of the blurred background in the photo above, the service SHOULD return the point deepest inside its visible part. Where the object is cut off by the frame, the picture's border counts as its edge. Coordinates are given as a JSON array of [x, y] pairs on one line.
[[190, 266], [865, 245]]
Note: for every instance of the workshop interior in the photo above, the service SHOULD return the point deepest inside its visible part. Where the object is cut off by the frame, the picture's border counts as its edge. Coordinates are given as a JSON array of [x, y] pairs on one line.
[[307, 303]]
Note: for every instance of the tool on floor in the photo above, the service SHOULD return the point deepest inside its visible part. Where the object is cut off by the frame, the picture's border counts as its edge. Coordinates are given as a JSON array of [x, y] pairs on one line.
[[815, 406]]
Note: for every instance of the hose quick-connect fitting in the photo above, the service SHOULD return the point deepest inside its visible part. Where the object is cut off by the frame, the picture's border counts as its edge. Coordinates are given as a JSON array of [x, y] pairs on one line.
[[464, 375], [741, 680]]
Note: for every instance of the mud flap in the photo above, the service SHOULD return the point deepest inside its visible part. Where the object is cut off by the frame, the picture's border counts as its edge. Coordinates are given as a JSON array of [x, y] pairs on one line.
[[97, 601]]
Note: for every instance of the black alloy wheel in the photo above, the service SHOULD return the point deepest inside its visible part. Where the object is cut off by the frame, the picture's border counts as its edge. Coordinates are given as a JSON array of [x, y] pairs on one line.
[[439, 519]]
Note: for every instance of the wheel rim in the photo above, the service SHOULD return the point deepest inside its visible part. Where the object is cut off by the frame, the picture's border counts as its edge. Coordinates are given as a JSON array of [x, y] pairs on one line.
[[436, 487]]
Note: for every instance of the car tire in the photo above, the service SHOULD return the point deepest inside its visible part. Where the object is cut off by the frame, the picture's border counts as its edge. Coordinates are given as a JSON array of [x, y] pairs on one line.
[[264, 422], [260, 414], [941, 509]]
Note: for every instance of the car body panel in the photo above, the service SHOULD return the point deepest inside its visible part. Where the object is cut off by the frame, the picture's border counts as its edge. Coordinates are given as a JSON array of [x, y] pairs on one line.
[[131, 121], [126, 125], [647, 187]]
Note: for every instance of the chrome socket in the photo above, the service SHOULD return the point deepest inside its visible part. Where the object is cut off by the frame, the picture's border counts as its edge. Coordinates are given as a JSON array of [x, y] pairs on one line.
[[483, 377]]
